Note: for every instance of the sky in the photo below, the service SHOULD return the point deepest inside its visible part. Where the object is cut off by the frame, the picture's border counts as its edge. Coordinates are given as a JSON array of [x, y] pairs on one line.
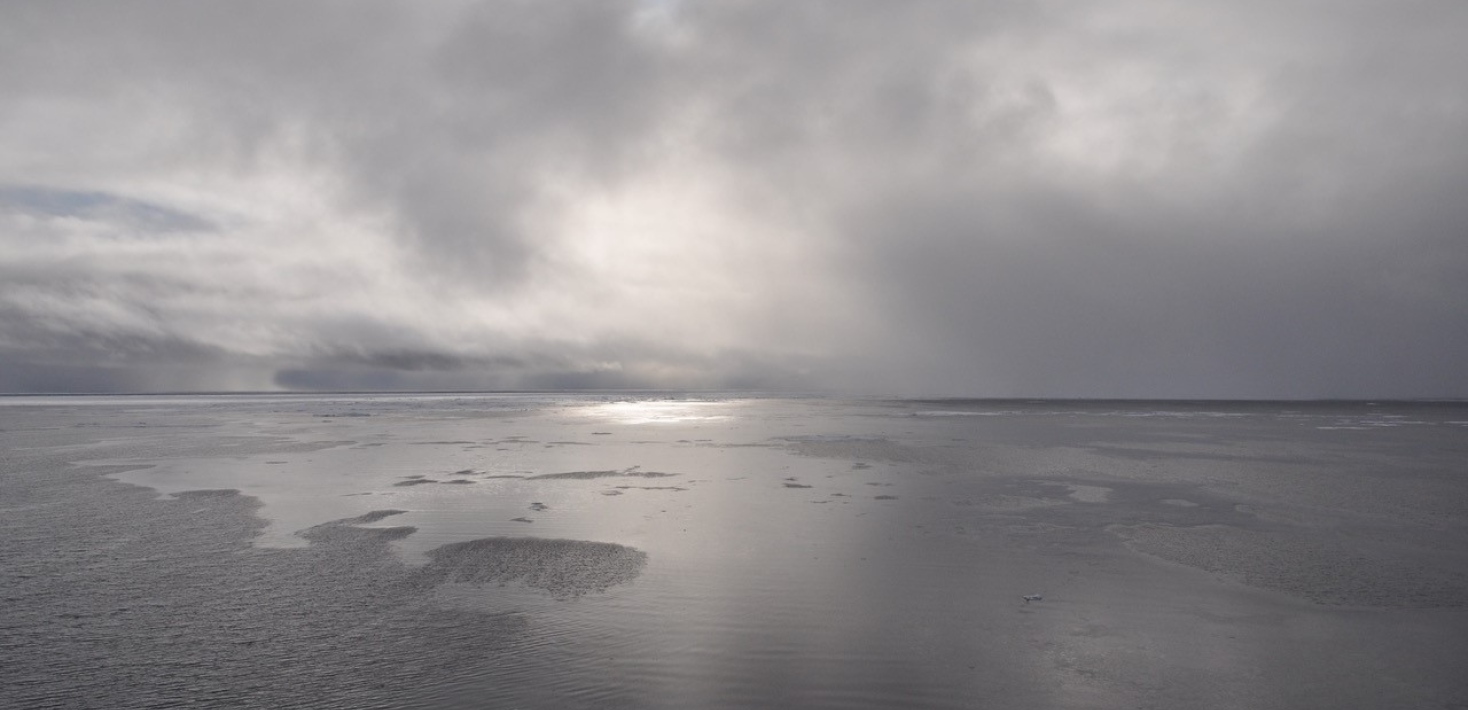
[[1211, 199]]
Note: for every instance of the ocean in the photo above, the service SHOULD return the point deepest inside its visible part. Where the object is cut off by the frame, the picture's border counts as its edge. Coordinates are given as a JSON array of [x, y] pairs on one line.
[[677, 550]]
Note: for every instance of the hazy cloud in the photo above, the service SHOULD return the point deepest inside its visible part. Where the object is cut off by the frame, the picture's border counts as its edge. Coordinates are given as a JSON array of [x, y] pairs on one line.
[[1130, 199]]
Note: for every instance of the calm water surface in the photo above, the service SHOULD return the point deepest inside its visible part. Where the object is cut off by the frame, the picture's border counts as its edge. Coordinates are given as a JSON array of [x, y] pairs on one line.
[[467, 551]]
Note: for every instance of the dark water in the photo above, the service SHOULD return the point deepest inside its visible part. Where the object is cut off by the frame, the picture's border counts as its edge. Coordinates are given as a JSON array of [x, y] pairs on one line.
[[566, 551]]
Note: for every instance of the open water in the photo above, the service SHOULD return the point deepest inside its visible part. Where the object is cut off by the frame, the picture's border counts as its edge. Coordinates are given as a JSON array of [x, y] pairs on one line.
[[678, 551]]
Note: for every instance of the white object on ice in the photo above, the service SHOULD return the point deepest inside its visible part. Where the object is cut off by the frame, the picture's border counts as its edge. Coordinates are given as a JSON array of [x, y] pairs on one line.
[[1032, 598]]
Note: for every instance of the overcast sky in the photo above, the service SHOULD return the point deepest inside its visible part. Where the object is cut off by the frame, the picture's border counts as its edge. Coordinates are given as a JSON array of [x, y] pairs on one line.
[[1241, 198]]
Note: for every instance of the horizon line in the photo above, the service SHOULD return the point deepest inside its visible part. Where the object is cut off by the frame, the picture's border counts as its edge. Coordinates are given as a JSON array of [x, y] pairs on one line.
[[763, 394]]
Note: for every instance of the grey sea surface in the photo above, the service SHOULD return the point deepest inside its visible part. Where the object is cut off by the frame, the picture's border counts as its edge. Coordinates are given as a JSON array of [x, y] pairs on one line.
[[697, 551]]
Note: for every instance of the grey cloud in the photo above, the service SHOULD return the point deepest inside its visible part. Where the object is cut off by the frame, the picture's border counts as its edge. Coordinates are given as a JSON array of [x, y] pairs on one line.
[[547, 367], [1321, 257], [446, 121], [1096, 304], [1009, 199]]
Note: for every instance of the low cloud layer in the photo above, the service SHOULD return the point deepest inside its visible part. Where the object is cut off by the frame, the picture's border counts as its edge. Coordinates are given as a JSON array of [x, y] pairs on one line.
[[980, 199]]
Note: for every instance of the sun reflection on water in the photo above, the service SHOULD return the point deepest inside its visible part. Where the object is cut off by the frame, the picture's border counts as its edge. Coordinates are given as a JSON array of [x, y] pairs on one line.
[[664, 411]]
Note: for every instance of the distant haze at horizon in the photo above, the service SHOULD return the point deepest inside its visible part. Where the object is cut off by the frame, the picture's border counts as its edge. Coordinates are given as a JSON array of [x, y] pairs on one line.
[[1241, 200]]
